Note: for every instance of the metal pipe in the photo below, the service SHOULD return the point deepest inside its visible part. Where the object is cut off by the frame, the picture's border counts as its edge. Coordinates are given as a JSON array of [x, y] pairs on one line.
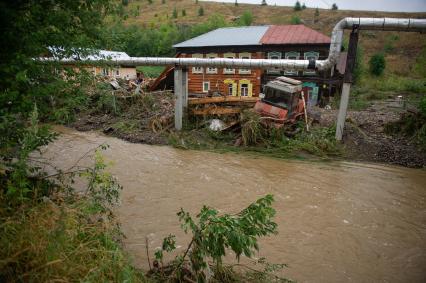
[[387, 24]]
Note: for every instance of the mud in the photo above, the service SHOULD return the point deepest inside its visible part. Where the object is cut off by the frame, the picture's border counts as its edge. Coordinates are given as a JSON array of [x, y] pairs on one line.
[[338, 221], [365, 138]]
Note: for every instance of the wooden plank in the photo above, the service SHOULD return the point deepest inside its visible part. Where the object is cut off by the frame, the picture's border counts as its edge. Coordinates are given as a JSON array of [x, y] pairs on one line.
[[221, 99], [216, 111]]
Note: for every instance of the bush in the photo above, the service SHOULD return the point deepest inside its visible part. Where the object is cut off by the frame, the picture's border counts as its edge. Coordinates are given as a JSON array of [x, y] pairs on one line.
[[212, 235], [377, 64], [200, 11], [246, 19], [175, 13], [295, 20]]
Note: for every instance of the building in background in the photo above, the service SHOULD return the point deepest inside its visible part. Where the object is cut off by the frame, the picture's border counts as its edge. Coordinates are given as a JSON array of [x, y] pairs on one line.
[[117, 71], [253, 42]]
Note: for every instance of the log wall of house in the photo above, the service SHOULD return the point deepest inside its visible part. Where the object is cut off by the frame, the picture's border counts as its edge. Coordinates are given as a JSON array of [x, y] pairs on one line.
[[220, 81]]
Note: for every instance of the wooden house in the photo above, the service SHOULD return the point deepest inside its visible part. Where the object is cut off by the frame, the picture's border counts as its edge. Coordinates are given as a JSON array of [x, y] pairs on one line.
[[116, 71], [255, 42]]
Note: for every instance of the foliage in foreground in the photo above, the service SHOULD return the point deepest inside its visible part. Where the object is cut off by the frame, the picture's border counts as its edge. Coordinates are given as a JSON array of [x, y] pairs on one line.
[[213, 235], [47, 231]]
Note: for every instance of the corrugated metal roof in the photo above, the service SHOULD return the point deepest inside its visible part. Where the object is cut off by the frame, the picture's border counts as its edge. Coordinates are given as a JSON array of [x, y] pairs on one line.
[[293, 34], [57, 52], [233, 36]]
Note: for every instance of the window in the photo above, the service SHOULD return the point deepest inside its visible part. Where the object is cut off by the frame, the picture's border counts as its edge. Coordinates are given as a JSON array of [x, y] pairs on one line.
[[293, 56], [230, 87], [117, 72], [197, 70], [244, 89], [206, 86], [229, 56], [105, 72], [276, 56], [244, 56], [211, 70], [312, 55]]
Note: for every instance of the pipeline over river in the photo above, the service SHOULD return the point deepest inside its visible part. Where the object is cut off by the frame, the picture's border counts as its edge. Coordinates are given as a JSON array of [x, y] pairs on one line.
[[337, 221]]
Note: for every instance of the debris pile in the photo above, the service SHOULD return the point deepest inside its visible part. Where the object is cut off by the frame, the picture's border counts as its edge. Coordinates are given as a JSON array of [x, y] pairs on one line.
[[125, 109]]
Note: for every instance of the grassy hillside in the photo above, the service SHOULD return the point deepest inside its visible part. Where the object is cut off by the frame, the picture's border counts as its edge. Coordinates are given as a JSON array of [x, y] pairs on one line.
[[402, 49]]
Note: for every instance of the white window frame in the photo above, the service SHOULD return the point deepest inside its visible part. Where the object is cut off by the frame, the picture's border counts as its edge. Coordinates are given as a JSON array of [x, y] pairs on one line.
[[117, 72], [292, 55], [241, 89], [229, 56], [270, 56], [208, 83], [211, 70], [197, 70], [230, 89], [306, 56], [244, 55]]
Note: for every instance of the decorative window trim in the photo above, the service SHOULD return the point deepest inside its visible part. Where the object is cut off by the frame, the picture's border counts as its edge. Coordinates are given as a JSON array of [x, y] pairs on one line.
[[208, 83], [310, 54], [274, 54], [241, 56], [228, 82], [249, 87], [228, 70], [287, 56], [197, 70], [210, 70]]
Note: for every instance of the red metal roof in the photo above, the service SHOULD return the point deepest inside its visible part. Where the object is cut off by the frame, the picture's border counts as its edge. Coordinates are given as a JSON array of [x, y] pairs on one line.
[[293, 34]]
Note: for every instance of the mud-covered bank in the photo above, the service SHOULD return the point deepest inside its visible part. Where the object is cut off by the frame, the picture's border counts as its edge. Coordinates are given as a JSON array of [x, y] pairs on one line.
[[149, 119]]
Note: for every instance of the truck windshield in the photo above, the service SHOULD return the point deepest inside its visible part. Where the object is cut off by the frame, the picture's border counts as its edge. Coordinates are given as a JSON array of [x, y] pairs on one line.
[[278, 97]]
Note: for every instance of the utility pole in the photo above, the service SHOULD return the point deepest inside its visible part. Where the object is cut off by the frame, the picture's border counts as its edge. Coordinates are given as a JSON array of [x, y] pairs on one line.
[[181, 94], [347, 81]]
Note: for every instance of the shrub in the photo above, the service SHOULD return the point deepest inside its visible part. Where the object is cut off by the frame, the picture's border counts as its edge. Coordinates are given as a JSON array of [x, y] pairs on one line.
[[200, 11], [213, 234], [175, 13], [377, 64], [246, 19], [150, 1], [295, 20], [125, 2], [316, 12]]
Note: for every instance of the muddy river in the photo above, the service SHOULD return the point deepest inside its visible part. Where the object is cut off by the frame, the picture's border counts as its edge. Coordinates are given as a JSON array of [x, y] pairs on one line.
[[338, 221]]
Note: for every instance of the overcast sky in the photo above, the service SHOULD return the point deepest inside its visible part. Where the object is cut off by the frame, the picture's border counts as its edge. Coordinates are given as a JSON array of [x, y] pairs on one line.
[[373, 5]]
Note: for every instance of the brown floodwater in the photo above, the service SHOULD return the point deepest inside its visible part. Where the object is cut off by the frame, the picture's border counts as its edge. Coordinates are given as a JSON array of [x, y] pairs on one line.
[[337, 221]]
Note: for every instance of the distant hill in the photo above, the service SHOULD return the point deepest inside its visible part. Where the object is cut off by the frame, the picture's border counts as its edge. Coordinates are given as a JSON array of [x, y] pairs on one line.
[[402, 49]]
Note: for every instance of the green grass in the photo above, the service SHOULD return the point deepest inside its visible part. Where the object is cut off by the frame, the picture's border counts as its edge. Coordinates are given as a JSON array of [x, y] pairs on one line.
[[62, 241], [150, 71]]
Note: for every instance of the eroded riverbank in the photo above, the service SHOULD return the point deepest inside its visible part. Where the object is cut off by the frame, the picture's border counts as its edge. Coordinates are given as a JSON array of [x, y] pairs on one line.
[[338, 221]]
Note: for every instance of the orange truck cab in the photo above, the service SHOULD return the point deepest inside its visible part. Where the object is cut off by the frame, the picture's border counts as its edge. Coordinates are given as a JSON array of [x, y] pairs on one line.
[[281, 102]]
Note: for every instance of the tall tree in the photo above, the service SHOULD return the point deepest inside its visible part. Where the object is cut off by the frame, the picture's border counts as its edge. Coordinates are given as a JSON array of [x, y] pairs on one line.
[[297, 6], [334, 7]]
